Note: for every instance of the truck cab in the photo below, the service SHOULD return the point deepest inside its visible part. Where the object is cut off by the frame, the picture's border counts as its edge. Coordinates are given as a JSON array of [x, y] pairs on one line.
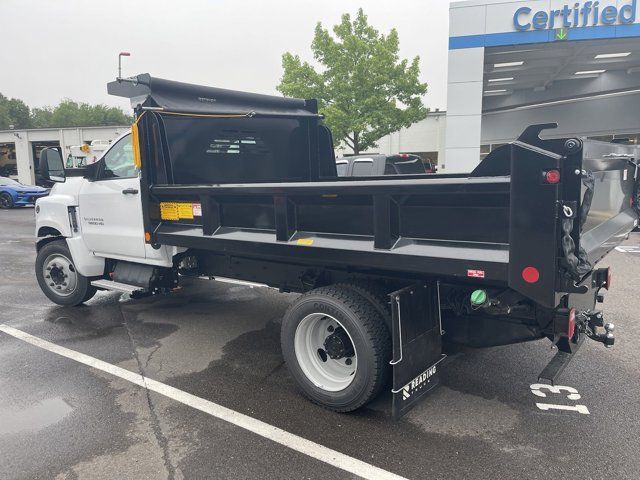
[[98, 211]]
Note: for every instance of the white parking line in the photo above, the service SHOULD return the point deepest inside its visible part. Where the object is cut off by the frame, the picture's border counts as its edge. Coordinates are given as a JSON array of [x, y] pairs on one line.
[[289, 440]]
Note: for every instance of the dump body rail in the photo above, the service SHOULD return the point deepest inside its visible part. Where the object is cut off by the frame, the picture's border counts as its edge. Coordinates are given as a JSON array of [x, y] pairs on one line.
[[503, 224], [395, 226]]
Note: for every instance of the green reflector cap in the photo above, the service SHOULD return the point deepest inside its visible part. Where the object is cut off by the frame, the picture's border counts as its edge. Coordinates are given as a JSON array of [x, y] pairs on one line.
[[479, 297]]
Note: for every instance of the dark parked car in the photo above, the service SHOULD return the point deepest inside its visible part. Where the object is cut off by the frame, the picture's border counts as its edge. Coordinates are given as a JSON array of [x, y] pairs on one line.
[[8, 170], [15, 194], [378, 164]]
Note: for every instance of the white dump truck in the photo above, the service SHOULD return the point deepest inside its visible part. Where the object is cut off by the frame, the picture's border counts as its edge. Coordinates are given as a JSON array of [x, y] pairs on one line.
[[219, 183]]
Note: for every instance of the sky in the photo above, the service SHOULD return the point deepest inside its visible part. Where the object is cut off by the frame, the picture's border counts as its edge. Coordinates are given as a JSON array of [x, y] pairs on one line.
[[69, 48]]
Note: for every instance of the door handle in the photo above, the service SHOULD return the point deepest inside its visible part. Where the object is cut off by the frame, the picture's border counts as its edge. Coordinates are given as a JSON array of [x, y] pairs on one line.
[[130, 191]]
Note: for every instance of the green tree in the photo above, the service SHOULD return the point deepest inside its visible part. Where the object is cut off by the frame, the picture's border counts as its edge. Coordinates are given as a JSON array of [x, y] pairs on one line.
[[73, 114], [14, 112], [66, 114], [5, 120], [364, 89], [41, 117]]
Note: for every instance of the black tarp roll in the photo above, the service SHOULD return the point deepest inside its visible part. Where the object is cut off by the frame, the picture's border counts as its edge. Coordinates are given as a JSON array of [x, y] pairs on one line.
[[147, 91]]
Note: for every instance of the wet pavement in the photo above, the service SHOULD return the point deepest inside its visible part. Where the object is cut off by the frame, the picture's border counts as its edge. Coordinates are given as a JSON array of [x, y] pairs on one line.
[[63, 420]]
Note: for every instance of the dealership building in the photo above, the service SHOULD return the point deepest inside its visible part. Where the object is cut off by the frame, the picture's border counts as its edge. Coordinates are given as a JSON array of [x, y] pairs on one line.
[[19, 148], [513, 64]]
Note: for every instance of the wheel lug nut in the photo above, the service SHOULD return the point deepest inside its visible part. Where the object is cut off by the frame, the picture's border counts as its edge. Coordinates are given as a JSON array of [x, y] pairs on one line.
[[348, 361], [330, 328]]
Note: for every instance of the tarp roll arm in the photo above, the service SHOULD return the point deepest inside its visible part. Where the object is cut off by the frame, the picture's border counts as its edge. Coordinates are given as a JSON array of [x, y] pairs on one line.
[[250, 114]]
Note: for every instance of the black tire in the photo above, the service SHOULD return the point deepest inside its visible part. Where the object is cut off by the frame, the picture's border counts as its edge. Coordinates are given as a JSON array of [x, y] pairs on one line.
[[375, 293], [6, 200], [366, 329], [83, 290]]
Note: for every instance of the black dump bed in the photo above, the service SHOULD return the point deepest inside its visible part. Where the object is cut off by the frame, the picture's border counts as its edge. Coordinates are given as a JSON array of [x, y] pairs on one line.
[[254, 176]]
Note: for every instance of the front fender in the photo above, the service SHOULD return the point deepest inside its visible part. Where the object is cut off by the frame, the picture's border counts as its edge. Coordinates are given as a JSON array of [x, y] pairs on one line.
[[13, 194], [85, 261], [53, 213], [52, 220]]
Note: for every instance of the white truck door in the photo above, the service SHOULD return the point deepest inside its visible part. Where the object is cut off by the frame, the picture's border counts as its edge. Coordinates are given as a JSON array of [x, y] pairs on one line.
[[110, 209]]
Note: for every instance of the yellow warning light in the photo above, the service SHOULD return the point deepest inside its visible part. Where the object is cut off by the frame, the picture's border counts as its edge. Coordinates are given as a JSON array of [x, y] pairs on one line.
[[85, 147]]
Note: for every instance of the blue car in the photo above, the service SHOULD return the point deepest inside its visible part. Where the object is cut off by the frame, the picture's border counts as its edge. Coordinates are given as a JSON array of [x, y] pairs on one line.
[[15, 194]]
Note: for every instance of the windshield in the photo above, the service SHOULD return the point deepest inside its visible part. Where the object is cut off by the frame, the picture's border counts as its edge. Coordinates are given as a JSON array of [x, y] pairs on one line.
[[9, 182], [407, 165]]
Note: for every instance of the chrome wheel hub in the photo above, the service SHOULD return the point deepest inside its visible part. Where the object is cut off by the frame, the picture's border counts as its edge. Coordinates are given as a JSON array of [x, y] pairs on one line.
[[325, 352], [60, 275]]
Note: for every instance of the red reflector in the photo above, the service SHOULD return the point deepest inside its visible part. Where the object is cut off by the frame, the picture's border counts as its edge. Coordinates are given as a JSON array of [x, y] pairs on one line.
[[552, 176], [530, 274], [571, 323]]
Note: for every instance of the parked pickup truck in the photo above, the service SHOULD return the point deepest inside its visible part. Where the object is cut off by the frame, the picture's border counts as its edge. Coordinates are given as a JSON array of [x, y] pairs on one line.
[[219, 183], [377, 164]]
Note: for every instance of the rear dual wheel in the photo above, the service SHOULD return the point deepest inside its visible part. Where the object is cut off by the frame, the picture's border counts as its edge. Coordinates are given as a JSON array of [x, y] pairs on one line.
[[337, 347]]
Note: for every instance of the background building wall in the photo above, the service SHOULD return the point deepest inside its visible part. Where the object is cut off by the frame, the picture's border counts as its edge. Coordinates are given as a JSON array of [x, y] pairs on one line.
[[464, 90], [425, 136], [475, 119]]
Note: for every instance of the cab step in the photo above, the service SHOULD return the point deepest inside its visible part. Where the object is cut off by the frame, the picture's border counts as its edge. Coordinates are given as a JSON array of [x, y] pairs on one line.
[[117, 286]]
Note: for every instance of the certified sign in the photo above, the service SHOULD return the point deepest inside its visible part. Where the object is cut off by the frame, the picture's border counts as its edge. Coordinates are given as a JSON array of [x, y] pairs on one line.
[[587, 14]]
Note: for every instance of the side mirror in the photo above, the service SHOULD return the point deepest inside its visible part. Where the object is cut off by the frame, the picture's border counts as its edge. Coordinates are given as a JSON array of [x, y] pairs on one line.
[[51, 165]]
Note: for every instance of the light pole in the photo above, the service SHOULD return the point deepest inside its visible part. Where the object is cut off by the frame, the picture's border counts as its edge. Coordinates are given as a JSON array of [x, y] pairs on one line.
[[120, 55]]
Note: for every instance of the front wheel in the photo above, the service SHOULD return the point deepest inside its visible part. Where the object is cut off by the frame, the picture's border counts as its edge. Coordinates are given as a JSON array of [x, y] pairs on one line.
[[58, 278], [337, 347], [6, 200]]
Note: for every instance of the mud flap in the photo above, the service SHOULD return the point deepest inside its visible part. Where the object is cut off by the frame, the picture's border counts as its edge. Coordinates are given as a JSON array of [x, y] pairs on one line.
[[417, 344]]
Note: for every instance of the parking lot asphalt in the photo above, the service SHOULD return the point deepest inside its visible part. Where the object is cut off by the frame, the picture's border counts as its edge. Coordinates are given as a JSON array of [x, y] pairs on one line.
[[62, 419]]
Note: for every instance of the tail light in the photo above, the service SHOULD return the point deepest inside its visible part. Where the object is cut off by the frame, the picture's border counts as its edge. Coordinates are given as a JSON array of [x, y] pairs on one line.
[[530, 274], [571, 323], [552, 176]]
